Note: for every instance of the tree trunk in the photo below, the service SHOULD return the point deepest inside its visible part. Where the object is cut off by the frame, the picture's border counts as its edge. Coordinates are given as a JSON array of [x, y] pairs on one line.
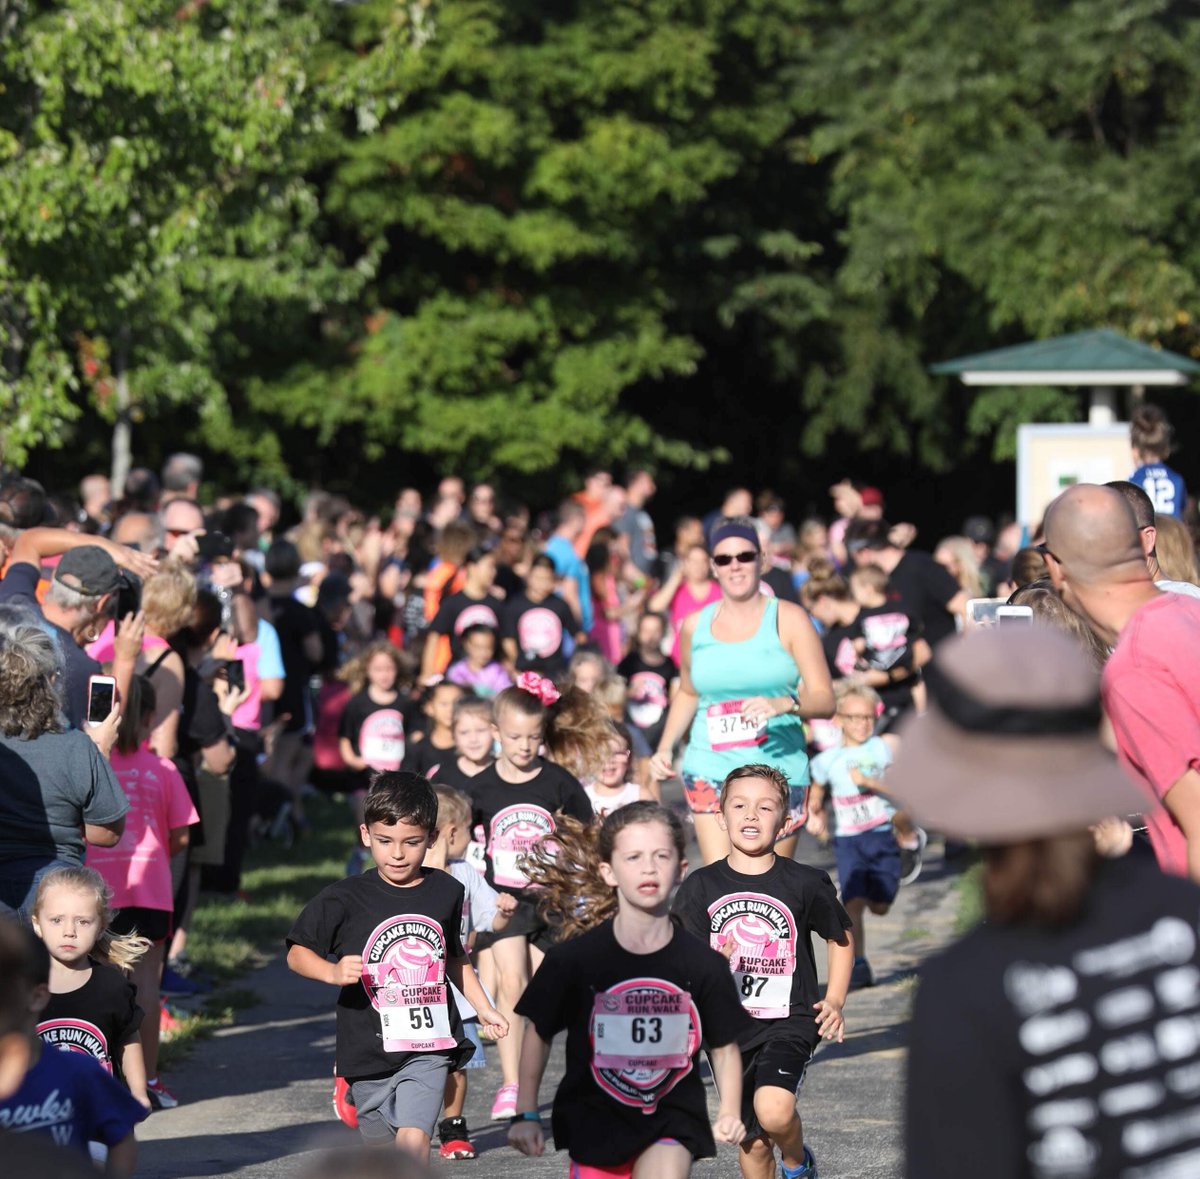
[[122, 437]]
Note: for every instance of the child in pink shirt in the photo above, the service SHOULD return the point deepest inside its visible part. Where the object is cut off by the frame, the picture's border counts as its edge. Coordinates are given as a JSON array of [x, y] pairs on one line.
[[138, 868]]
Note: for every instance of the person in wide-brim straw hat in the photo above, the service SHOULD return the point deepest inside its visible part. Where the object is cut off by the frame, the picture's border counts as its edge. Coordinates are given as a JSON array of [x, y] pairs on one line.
[[1058, 1037]]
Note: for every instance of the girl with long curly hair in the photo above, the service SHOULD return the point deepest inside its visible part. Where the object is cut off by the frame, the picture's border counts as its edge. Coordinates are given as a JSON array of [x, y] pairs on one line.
[[634, 993], [519, 800]]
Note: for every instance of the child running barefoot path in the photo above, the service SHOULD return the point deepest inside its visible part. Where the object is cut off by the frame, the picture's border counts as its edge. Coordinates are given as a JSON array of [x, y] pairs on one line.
[[394, 935], [760, 910], [517, 800], [636, 995]]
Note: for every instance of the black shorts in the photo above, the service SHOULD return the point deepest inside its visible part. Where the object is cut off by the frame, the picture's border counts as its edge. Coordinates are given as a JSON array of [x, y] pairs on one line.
[[526, 922], [156, 924], [780, 1063]]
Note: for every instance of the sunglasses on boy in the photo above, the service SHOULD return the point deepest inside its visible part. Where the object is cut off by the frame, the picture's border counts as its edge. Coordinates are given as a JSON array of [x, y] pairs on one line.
[[745, 557]]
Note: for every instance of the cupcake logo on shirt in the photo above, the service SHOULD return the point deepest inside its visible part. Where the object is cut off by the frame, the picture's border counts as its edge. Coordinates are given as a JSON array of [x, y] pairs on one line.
[[76, 1035], [644, 1033], [476, 616], [757, 933], [539, 633], [647, 698], [404, 951], [381, 740], [514, 832]]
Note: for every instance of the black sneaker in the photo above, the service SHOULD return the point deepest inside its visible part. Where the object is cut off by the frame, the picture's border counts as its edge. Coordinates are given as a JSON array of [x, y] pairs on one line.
[[861, 974], [455, 1141], [913, 858]]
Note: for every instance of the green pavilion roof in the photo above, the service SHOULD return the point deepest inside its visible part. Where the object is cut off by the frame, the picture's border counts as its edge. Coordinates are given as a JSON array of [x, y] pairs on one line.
[[1101, 357]]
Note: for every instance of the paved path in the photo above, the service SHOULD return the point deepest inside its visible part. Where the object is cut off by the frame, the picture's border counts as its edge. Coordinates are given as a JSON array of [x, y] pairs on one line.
[[256, 1097]]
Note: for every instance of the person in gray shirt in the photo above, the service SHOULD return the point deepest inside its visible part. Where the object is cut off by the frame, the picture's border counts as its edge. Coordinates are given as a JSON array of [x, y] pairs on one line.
[[57, 790]]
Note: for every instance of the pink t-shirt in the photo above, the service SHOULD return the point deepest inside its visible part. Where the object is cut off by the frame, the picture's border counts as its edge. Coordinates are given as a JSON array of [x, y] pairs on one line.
[[138, 869], [1152, 696], [684, 603], [103, 648], [248, 714]]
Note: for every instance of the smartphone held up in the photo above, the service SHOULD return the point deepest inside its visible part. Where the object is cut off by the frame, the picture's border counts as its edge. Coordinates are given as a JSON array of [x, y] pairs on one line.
[[102, 696]]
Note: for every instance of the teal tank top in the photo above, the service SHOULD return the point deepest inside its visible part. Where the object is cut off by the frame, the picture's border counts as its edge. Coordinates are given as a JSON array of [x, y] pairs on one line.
[[726, 672]]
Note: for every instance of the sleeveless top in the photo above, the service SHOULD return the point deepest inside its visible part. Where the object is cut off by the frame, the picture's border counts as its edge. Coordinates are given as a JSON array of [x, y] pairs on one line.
[[726, 673]]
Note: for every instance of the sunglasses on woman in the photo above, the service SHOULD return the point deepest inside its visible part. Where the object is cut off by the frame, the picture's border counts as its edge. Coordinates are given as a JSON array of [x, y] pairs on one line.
[[746, 557]]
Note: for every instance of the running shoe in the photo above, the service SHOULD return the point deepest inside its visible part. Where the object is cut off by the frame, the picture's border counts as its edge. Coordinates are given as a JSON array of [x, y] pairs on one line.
[[912, 858], [173, 983], [861, 974], [505, 1105], [160, 1096], [806, 1170], [456, 1143], [343, 1103], [168, 1022]]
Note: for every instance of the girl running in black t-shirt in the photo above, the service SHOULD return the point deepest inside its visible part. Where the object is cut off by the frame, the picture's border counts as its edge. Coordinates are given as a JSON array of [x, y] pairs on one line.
[[635, 994]]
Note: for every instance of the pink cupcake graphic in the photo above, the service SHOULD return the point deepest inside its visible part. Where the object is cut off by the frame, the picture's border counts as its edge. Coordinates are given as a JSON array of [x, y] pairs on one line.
[[754, 937], [415, 961]]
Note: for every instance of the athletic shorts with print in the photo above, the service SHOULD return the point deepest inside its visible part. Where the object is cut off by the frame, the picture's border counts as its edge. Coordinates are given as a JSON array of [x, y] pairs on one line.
[[704, 798]]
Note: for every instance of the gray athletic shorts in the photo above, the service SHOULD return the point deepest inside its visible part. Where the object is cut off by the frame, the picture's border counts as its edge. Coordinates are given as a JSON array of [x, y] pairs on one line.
[[408, 1099]]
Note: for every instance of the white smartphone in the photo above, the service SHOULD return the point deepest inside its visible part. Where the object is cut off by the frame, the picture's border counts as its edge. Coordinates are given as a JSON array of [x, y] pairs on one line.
[[1014, 616], [982, 611], [102, 694]]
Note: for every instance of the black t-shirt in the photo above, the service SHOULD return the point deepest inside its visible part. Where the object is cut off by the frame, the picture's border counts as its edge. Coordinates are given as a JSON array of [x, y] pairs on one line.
[[838, 644], [769, 918], [295, 622], [459, 611], [449, 774], [408, 934], [201, 724], [509, 580], [605, 1114], [375, 731], [649, 691], [425, 758], [922, 588], [781, 583], [889, 632], [515, 816], [98, 1019], [20, 588], [539, 629], [1040, 1052]]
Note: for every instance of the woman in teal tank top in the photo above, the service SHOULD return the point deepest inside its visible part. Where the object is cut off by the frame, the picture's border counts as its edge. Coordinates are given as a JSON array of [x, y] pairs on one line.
[[751, 670]]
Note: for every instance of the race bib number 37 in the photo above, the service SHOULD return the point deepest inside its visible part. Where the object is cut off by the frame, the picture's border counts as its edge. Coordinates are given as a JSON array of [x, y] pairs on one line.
[[728, 729], [641, 1030]]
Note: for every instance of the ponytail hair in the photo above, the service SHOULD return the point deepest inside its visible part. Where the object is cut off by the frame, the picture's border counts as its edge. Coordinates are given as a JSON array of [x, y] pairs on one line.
[[573, 897], [122, 950], [578, 733], [141, 702]]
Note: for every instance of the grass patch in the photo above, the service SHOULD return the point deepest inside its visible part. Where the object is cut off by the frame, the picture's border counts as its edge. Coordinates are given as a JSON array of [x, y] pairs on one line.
[[228, 938], [915, 934], [969, 887]]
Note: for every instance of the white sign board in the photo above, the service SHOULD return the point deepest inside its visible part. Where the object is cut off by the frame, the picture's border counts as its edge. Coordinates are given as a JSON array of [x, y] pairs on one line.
[[1052, 457]]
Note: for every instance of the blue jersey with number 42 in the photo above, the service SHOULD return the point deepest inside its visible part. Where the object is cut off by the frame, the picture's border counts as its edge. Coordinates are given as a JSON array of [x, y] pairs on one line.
[[1164, 487]]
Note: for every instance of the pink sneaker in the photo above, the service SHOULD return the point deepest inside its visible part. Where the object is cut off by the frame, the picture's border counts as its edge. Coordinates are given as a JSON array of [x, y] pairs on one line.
[[505, 1104], [342, 1104]]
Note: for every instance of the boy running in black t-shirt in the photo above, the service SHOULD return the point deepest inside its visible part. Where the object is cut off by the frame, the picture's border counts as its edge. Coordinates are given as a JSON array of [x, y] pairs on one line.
[[759, 911], [394, 933]]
